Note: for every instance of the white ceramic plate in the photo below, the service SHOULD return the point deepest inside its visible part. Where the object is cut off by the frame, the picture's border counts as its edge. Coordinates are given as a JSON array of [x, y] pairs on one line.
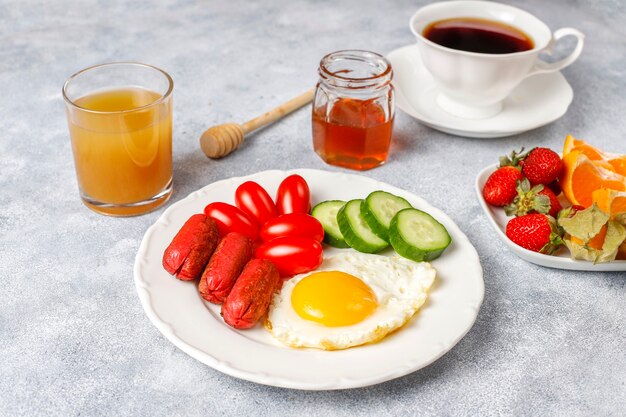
[[560, 259], [196, 327], [537, 101]]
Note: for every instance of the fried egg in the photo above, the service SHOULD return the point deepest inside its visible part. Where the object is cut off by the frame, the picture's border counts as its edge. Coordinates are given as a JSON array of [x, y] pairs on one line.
[[351, 299]]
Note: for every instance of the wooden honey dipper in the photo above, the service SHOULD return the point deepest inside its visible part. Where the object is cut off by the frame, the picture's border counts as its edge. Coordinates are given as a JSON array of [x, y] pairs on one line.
[[218, 141]]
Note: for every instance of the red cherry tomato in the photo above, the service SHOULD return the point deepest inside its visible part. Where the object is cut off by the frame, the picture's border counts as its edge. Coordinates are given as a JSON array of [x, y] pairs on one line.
[[294, 225], [230, 219], [253, 200], [291, 255], [293, 195]]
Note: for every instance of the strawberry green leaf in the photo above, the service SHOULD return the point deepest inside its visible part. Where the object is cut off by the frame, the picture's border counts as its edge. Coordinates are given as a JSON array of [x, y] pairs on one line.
[[513, 159], [528, 200]]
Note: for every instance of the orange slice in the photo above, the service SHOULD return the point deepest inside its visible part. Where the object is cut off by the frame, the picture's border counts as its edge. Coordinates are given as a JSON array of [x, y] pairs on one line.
[[610, 161], [619, 164], [571, 144], [581, 177]]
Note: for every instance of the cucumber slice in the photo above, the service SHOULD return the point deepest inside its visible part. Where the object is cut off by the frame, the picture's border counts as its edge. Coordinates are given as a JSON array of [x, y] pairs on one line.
[[416, 235], [355, 231], [379, 209], [326, 213]]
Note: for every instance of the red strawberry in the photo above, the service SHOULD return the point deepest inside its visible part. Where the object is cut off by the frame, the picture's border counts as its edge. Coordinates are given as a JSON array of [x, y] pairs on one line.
[[542, 166], [555, 187], [535, 232], [555, 205], [499, 190], [538, 199]]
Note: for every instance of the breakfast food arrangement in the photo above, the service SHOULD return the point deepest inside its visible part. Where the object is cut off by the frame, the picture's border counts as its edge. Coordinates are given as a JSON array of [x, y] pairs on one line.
[[334, 280], [313, 208], [287, 275], [283, 280], [298, 271]]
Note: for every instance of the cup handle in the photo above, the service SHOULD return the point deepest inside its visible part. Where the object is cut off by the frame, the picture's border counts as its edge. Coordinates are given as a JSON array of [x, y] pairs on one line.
[[542, 66]]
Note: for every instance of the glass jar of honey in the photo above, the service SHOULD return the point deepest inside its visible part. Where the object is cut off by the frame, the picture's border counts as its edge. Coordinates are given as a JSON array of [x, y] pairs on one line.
[[353, 109]]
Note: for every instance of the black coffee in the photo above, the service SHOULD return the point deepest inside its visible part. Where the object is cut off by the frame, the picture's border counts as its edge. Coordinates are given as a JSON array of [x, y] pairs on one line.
[[478, 35]]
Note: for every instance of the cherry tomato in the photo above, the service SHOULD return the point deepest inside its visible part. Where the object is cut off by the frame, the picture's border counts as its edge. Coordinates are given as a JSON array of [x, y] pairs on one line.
[[230, 219], [293, 196], [292, 224], [291, 255], [253, 200]]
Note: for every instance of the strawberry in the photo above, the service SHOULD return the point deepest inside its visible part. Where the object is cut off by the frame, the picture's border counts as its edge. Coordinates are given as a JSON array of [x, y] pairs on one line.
[[555, 204], [499, 190], [555, 187], [542, 166], [538, 199], [535, 232]]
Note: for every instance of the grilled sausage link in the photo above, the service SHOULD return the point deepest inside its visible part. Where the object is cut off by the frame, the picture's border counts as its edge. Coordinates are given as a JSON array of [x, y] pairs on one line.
[[219, 276], [190, 250], [250, 298]]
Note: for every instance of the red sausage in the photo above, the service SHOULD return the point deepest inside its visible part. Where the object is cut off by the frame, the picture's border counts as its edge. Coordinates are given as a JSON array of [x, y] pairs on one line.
[[218, 278], [250, 298], [191, 248]]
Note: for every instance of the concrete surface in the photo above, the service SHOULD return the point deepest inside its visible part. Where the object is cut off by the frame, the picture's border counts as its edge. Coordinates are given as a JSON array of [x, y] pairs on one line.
[[74, 339]]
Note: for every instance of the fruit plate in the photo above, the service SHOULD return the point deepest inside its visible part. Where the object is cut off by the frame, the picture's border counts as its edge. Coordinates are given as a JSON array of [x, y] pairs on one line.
[[196, 327], [559, 260]]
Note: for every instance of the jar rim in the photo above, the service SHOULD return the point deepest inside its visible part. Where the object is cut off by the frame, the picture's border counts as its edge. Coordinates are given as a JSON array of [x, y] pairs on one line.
[[382, 76]]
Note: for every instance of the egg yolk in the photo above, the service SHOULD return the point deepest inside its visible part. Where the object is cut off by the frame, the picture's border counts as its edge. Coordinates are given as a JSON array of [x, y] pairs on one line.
[[333, 298]]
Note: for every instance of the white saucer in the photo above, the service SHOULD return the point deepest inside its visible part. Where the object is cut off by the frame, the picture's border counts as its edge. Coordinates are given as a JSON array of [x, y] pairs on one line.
[[537, 101]]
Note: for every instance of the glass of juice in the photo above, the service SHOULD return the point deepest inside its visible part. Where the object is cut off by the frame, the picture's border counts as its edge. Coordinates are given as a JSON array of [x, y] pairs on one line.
[[120, 122], [353, 109]]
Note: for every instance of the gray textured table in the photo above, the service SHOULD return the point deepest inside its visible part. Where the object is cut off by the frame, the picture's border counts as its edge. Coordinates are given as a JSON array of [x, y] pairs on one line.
[[74, 339]]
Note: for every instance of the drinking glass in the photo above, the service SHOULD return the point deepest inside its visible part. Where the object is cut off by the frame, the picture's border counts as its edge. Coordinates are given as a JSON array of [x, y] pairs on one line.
[[120, 123]]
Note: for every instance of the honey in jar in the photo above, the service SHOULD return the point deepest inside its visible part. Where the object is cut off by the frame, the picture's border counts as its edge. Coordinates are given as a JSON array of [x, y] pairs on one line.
[[353, 110]]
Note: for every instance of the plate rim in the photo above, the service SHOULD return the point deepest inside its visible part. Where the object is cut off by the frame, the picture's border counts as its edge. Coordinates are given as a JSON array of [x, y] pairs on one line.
[[556, 262], [264, 379], [470, 132]]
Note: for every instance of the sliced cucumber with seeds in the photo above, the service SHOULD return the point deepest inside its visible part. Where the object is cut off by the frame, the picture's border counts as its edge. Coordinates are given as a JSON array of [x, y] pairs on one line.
[[355, 231], [416, 235], [326, 213], [378, 210]]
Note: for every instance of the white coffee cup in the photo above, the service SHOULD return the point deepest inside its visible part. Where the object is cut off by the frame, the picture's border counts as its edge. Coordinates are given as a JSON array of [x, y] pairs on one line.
[[473, 85]]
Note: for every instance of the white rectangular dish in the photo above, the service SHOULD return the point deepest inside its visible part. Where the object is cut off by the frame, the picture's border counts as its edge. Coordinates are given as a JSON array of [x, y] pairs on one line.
[[560, 259]]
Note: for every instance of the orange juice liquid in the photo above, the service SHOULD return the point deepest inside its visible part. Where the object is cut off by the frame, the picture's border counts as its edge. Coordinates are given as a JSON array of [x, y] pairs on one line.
[[122, 151]]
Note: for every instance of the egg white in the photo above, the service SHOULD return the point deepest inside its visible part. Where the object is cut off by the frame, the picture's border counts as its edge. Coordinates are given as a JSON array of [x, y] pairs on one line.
[[401, 287]]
